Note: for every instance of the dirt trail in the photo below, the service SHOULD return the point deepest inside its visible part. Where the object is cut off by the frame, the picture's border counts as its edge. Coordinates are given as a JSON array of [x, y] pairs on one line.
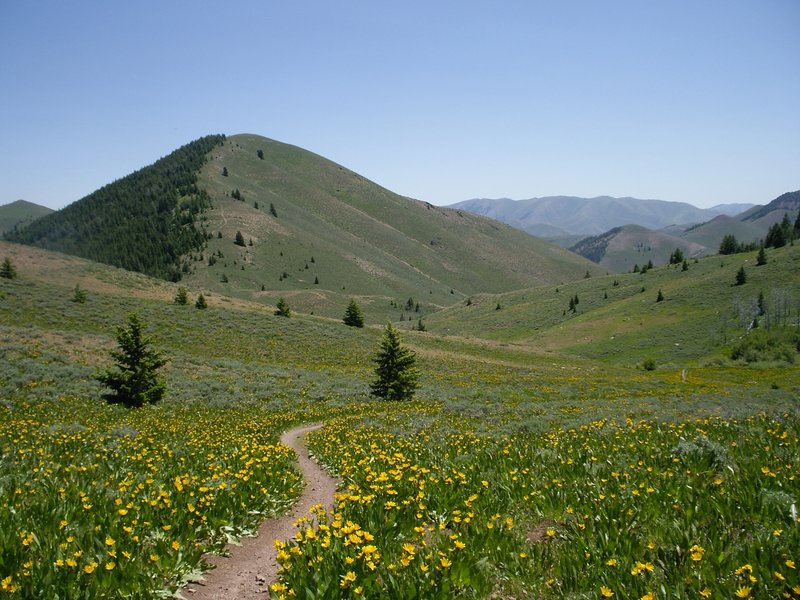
[[251, 567]]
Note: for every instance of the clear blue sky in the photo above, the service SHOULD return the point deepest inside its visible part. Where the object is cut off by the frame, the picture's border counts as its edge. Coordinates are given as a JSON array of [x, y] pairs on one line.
[[442, 101]]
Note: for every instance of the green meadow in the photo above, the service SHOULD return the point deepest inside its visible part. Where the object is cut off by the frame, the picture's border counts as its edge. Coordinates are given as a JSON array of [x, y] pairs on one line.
[[616, 451]]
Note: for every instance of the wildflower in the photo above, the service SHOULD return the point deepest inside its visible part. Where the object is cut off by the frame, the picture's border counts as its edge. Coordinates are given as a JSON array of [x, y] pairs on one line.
[[606, 592], [611, 562], [551, 533], [696, 553], [89, 568], [110, 566], [347, 579], [790, 563], [278, 587], [445, 563], [110, 541], [648, 596], [743, 592], [705, 592]]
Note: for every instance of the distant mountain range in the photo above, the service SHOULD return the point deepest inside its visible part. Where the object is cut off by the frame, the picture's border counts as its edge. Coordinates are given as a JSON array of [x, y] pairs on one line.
[[622, 248], [619, 233], [555, 217]]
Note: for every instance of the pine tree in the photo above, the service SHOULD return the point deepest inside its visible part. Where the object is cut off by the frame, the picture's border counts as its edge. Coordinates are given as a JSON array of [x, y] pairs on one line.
[[181, 298], [201, 302], [260, 154], [685, 266], [8, 271], [79, 294], [395, 370], [282, 309], [272, 210], [239, 239], [728, 245], [741, 276], [353, 317], [135, 382], [660, 297], [761, 259], [224, 171]]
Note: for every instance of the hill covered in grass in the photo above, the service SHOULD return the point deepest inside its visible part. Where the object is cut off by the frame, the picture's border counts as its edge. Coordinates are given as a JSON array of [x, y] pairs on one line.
[[19, 214], [618, 318], [146, 221], [318, 234], [308, 229], [623, 248]]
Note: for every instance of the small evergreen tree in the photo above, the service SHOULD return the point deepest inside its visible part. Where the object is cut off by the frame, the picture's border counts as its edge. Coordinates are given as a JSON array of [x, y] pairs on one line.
[[660, 297], [741, 276], [201, 302], [353, 317], [79, 294], [728, 245], [420, 326], [761, 259], [181, 298], [260, 154], [396, 371], [8, 270], [282, 308], [676, 257], [239, 239], [316, 280], [685, 266], [776, 237], [135, 382], [224, 171], [272, 210]]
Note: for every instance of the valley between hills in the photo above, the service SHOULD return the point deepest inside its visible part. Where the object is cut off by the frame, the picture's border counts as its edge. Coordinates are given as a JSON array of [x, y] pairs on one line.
[[576, 431]]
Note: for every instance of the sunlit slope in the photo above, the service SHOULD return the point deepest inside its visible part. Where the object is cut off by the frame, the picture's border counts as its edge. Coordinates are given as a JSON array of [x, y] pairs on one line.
[[337, 235], [618, 318]]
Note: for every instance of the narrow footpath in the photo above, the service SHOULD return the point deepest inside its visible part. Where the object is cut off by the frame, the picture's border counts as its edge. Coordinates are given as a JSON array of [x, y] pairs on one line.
[[250, 569]]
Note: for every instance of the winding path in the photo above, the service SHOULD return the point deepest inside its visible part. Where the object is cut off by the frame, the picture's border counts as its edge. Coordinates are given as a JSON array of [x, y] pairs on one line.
[[251, 567]]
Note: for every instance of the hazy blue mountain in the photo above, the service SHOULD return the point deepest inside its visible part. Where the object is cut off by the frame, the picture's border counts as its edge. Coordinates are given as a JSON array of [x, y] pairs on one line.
[[592, 216]]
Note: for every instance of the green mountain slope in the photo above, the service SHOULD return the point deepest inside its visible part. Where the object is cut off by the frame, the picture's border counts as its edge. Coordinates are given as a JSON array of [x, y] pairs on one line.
[[337, 235], [622, 248], [618, 318], [19, 214], [143, 222]]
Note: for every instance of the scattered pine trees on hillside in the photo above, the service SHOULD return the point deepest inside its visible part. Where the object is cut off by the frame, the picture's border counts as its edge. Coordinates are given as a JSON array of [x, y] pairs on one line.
[[143, 222]]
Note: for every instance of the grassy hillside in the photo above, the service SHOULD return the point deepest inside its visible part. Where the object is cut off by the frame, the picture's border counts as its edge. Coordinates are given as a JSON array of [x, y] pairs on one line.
[[20, 213], [104, 501], [622, 248], [338, 235], [618, 319]]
